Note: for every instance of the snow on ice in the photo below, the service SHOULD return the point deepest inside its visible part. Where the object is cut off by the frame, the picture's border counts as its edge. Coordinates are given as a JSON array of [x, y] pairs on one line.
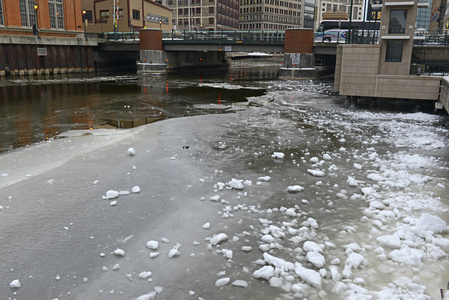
[[391, 245]]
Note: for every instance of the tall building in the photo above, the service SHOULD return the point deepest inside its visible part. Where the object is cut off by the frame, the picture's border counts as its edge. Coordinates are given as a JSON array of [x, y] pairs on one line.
[[204, 14], [274, 14]]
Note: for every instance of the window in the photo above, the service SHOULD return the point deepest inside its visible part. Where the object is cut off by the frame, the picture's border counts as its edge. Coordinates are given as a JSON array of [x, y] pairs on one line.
[[398, 19], [56, 12], [104, 16], [211, 9], [27, 13], [211, 20], [136, 14], [120, 14], [394, 51], [88, 16], [1, 13]]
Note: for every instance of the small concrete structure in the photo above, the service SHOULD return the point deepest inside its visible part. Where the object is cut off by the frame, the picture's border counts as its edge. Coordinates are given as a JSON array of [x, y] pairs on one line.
[[383, 70], [298, 55]]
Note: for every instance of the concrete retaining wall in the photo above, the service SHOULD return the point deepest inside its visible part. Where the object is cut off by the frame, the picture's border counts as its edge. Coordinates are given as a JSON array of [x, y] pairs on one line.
[[359, 76], [444, 95]]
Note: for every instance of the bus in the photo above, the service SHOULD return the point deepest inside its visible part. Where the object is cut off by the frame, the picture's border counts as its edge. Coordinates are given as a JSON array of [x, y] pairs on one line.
[[344, 24]]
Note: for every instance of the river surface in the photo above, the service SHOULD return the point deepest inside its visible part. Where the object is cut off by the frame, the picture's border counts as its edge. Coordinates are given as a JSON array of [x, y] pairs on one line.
[[34, 109], [252, 187]]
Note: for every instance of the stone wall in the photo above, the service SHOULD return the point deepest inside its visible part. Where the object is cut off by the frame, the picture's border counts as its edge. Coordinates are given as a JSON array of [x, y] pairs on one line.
[[359, 69], [359, 76]]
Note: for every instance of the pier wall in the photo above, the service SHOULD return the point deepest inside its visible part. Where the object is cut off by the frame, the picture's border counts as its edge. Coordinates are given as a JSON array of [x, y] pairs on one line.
[[23, 55]]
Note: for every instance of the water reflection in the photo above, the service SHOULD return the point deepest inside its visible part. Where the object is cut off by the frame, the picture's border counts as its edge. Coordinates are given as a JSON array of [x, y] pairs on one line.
[[34, 109]]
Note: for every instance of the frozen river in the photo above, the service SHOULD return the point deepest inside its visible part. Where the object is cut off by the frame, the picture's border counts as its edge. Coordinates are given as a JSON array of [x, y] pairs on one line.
[[285, 194]]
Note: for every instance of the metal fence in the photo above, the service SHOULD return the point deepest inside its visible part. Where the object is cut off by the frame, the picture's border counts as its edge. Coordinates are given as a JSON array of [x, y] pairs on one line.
[[430, 67], [121, 36], [235, 36], [431, 39]]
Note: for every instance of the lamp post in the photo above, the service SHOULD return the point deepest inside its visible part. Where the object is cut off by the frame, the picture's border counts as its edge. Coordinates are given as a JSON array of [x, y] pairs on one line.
[[349, 38], [37, 24], [160, 25], [85, 24]]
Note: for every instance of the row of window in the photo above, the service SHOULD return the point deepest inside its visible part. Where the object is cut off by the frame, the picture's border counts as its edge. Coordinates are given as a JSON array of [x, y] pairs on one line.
[[250, 10], [264, 26], [28, 14], [194, 11], [228, 13], [272, 18]]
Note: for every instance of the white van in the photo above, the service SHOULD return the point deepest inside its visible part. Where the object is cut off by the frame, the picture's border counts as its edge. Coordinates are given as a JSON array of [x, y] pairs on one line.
[[332, 36]]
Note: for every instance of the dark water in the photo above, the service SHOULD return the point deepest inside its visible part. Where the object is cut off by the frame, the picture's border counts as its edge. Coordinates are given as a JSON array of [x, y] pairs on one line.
[[34, 109]]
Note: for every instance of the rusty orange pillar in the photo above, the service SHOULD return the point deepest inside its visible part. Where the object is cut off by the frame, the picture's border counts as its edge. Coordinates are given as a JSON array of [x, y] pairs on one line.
[[298, 40], [150, 39]]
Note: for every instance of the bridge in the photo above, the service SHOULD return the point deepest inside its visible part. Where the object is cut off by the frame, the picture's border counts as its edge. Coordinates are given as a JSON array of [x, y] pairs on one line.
[[228, 41]]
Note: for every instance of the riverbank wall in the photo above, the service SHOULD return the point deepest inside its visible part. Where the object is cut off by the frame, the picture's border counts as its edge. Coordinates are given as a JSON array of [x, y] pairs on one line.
[[31, 55]]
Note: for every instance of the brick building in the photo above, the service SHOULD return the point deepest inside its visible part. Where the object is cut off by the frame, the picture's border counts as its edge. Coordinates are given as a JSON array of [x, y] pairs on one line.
[[53, 18]]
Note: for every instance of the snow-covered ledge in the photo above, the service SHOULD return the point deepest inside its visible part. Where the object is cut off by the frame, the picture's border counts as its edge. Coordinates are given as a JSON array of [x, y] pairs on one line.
[[395, 37]]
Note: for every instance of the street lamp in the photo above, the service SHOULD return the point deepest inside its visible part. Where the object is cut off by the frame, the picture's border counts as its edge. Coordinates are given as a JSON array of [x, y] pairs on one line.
[[160, 25], [36, 26], [85, 23]]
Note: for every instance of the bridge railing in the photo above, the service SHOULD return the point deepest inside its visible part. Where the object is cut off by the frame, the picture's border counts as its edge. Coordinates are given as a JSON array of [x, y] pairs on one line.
[[234, 36], [431, 39], [121, 36]]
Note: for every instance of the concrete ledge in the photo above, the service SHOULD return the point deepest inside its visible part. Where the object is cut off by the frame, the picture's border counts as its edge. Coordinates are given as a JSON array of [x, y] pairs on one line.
[[32, 40]]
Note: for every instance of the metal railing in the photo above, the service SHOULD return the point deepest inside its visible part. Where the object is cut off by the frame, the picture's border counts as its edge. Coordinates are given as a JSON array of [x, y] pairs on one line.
[[234, 36], [431, 39], [121, 36], [430, 67]]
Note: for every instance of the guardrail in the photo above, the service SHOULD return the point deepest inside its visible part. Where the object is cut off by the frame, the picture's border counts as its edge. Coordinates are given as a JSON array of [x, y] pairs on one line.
[[431, 39], [121, 36], [234, 36]]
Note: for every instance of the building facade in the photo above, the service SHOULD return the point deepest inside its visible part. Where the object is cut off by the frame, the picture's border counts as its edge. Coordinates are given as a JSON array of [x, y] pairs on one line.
[[124, 16], [50, 18], [197, 15], [271, 14]]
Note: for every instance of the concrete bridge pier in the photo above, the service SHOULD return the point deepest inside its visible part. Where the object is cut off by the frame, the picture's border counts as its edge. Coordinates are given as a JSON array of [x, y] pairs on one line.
[[298, 55], [152, 57]]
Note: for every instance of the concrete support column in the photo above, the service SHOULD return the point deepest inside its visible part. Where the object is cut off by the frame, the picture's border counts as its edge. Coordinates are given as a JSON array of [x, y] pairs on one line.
[[153, 58], [298, 54]]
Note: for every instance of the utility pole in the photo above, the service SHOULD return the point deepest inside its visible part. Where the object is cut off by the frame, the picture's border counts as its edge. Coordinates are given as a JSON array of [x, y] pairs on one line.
[[349, 39], [37, 22]]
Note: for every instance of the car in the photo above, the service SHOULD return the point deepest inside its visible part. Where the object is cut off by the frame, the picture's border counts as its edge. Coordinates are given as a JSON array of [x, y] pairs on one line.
[[332, 36]]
